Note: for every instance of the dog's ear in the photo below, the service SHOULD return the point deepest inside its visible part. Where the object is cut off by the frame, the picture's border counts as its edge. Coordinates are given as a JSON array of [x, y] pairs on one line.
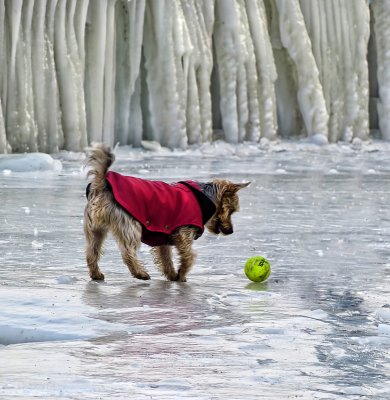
[[239, 186]]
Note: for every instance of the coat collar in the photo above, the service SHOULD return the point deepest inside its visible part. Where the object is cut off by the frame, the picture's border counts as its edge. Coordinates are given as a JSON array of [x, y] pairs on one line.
[[205, 195]]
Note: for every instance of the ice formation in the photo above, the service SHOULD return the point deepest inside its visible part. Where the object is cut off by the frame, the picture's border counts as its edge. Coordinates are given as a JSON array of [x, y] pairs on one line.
[[29, 163], [381, 11], [179, 71]]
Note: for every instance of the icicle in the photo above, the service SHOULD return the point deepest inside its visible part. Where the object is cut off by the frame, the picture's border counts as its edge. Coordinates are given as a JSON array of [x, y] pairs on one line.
[[44, 82], [225, 36], [70, 77], [28, 126], [296, 40], [109, 75], [266, 71], [382, 31], [77, 138], [198, 63], [164, 73], [38, 65], [129, 32], [3, 138], [80, 18], [361, 29], [3, 83], [246, 71], [339, 33], [51, 101], [95, 64], [19, 121]]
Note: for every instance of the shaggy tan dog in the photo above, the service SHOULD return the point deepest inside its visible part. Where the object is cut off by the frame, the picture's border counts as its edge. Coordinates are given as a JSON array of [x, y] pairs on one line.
[[114, 204]]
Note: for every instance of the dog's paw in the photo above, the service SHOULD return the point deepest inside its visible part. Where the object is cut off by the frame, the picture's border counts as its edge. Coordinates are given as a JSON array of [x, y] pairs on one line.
[[98, 276], [179, 278], [144, 276]]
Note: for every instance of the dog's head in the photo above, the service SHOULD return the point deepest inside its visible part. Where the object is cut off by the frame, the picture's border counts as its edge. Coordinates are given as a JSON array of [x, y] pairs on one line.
[[226, 201]]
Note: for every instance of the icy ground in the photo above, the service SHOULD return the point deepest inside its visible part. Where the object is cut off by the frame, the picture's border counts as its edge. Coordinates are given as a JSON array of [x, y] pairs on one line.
[[318, 329]]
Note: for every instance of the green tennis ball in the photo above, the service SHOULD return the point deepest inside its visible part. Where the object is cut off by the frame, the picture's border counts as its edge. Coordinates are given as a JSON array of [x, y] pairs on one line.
[[257, 269]]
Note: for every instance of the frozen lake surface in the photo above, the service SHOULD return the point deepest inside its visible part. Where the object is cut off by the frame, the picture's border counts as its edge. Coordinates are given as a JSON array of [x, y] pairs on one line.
[[319, 328]]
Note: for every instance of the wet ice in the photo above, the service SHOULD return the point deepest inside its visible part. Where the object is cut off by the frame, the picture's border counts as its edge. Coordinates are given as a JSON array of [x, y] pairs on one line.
[[318, 328]]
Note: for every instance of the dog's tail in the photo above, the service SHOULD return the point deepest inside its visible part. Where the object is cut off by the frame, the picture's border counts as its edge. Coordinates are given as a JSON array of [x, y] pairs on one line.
[[99, 159]]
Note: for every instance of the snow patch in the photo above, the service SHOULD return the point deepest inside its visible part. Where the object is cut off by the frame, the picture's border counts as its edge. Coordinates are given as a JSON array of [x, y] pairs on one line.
[[384, 329], [28, 163], [383, 314]]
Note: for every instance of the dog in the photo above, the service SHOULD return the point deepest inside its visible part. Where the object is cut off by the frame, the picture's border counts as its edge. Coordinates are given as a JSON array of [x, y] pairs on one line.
[[153, 212]]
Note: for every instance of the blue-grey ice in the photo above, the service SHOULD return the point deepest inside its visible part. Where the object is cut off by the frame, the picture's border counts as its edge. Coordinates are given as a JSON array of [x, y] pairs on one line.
[[319, 328]]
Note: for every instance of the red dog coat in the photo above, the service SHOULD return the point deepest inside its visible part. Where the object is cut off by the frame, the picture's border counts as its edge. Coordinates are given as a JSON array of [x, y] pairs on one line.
[[160, 207]]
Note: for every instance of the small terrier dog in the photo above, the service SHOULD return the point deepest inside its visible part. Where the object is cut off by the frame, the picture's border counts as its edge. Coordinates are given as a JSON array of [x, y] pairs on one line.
[[153, 212]]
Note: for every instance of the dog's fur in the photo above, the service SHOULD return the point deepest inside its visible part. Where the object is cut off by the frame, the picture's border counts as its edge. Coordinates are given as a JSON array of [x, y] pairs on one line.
[[103, 214]]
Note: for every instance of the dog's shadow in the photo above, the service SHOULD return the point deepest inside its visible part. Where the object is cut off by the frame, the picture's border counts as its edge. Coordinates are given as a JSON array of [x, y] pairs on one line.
[[154, 293], [156, 306]]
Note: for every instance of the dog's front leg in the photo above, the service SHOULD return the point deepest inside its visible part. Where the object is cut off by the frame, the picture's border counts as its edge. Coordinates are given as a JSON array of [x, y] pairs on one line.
[[183, 240], [162, 256]]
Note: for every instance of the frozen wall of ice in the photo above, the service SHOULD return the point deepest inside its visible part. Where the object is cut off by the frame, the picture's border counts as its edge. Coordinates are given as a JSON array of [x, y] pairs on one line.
[[184, 71]]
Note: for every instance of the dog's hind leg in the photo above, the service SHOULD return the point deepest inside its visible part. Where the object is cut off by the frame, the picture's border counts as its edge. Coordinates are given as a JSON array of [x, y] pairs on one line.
[[128, 233], [183, 239], [95, 238], [162, 256]]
